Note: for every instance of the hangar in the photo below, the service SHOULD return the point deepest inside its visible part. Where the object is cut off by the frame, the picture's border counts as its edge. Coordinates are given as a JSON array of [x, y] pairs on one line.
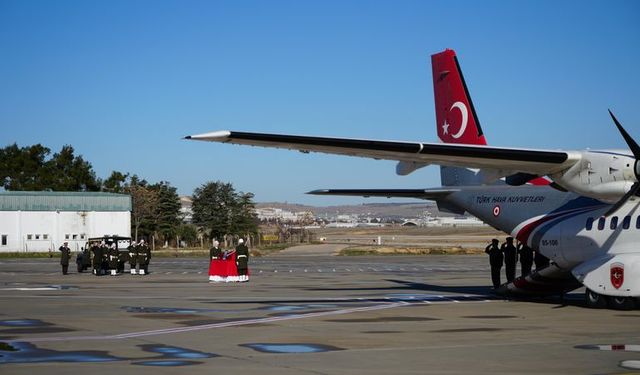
[[43, 220]]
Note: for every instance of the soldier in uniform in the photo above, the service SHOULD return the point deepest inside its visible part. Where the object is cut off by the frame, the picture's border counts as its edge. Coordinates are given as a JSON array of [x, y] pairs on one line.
[[242, 261], [123, 257], [64, 257], [113, 259], [526, 258], [133, 257], [144, 257], [97, 258], [510, 259], [495, 260], [104, 259], [215, 252], [80, 260]]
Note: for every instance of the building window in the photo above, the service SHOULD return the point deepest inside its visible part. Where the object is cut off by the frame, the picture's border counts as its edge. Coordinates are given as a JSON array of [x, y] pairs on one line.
[[75, 236], [66, 236], [601, 223], [614, 223], [589, 223], [626, 222], [4, 240], [45, 236], [29, 236], [37, 236], [82, 236]]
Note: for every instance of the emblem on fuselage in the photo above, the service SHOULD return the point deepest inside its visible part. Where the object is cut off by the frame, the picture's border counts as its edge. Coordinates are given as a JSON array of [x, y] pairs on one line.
[[617, 275]]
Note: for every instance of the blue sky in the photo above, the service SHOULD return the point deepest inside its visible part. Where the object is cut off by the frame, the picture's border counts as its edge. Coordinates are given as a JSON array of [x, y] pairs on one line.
[[124, 81]]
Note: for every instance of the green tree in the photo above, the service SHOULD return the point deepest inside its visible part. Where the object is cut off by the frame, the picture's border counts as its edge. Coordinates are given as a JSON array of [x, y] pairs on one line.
[[27, 168], [167, 210], [23, 168], [218, 208], [188, 233], [144, 201], [245, 220], [67, 172], [116, 183]]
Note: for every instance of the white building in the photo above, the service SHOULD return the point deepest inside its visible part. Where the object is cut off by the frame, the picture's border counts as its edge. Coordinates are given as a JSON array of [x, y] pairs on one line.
[[43, 220], [278, 214]]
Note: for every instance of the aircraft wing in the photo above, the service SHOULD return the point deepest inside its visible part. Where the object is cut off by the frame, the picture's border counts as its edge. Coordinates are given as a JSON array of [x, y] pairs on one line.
[[538, 162], [428, 194]]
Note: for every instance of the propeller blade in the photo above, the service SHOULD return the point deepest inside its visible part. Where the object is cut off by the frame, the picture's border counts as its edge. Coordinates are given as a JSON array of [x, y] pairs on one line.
[[634, 189], [632, 144]]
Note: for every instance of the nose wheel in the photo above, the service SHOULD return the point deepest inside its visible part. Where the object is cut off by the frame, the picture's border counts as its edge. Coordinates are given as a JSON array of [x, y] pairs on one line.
[[598, 301], [622, 303], [595, 300]]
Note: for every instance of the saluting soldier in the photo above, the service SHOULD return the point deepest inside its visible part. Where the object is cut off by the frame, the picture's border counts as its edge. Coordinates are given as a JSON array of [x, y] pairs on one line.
[[64, 257], [526, 258], [242, 260], [113, 259], [133, 257], [510, 259], [495, 260]]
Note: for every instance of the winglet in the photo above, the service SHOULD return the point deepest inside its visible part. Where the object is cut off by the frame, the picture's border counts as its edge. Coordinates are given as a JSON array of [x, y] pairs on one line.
[[216, 136]]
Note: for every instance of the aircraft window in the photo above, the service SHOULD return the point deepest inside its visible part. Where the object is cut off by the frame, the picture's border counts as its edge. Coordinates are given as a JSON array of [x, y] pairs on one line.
[[601, 223], [626, 222], [614, 223], [589, 223]]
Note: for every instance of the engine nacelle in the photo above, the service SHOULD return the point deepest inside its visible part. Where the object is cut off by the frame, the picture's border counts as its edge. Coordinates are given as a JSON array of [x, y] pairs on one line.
[[603, 175]]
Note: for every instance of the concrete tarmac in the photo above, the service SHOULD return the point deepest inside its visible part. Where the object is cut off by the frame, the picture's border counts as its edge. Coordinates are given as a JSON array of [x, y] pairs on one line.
[[301, 315]]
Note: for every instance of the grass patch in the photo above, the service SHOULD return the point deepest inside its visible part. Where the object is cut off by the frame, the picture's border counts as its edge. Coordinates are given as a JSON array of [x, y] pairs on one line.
[[23, 254], [390, 250]]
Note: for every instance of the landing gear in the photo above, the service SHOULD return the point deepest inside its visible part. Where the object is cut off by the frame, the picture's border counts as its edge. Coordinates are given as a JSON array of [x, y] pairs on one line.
[[598, 301], [595, 300], [622, 303]]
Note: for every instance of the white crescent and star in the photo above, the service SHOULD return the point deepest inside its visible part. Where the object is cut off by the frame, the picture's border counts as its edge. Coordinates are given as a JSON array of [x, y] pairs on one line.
[[465, 118]]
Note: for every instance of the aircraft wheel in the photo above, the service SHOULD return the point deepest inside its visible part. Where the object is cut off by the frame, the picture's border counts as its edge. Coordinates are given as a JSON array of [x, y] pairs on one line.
[[622, 303], [595, 300]]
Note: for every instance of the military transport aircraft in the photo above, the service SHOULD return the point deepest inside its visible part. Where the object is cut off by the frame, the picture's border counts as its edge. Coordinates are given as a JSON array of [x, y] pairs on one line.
[[578, 208]]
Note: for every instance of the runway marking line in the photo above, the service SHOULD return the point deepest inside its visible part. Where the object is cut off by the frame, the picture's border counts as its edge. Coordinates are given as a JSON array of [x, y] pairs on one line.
[[272, 319]]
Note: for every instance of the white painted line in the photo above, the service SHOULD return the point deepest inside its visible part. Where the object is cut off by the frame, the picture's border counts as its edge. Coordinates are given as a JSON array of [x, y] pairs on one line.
[[236, 323]]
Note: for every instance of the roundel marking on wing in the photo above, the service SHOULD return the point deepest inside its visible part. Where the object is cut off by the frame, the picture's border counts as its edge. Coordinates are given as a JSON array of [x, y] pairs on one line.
[[465, 118]]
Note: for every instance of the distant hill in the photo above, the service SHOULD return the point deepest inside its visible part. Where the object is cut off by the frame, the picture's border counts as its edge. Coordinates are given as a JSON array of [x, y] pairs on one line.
[[406, 210]]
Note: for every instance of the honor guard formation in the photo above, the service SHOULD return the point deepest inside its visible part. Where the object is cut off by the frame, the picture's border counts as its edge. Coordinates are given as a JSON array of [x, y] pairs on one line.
[[108, 256], [508, 255], [229, 266]]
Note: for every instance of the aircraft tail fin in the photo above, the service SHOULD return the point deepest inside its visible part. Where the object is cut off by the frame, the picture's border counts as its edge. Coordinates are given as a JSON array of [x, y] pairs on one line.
[[456, 118]]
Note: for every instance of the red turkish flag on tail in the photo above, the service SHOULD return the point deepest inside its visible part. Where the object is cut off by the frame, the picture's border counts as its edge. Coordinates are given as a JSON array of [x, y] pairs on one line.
[[456, 117]]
